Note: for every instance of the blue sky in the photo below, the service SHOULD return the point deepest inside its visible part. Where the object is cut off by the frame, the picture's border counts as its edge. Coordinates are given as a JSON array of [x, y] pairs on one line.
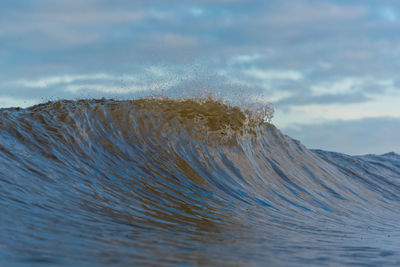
[[329, 67]]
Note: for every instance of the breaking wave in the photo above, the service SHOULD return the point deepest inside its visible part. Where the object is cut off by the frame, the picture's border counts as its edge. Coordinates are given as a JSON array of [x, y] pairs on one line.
[[196, 182]]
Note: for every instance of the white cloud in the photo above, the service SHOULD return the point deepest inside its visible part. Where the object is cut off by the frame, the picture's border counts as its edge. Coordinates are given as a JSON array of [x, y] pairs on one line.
[[349, 85], [274, 96], [245, 58], [6, 101], [195, 11], [53, 80], [154, 79], [343, 86], [106, 89], [120, 89], [274, 74], [389, 14], [68, 79], [383, 105]]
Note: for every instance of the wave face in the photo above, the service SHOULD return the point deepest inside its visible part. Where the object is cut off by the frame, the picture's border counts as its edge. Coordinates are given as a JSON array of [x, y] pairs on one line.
[[158, 181]]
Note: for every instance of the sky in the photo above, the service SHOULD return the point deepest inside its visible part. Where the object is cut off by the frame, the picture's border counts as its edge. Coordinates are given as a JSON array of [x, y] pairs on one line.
[[330, 68]]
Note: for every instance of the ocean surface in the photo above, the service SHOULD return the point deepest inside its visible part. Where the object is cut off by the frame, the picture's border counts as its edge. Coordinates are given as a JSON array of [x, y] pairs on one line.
[[185, 182]]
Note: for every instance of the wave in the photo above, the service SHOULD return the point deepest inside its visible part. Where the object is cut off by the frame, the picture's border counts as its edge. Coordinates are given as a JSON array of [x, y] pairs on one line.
[[194, 182]]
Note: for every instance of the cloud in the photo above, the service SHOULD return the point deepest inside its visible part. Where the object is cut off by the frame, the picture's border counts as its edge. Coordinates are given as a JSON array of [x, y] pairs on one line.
[[366, 136], [61, 24], [303, 99], [6, 102], [274, 74], [316, 60], [65, 79], [376, 106], [195, 11], [240, 59], [349, 85], [157, 79], [389, 13], [315, 12], [175, 40], [107, 88]]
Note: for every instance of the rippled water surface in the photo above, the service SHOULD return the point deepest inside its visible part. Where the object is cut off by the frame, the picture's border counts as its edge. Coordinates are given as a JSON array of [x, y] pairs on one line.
[[158, 181]]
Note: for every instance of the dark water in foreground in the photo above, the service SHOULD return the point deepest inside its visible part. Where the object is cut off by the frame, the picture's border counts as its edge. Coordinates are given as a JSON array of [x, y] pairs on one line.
[[153, 182]]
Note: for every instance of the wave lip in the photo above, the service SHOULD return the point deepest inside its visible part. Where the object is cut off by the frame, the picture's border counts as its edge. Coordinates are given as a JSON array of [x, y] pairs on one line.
[[185, 181]]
